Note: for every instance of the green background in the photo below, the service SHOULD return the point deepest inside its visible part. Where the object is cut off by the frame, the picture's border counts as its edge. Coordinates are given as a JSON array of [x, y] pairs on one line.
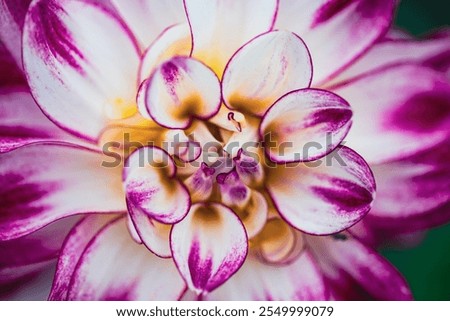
[[427, 266]]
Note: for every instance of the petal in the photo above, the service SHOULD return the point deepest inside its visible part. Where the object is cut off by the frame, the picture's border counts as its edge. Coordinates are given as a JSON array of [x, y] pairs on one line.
[[180, 90], [208, 246], [336, 32], [153, 234], [72, 250], [23, 123], [325, 196], [45, 182], [149, 18], [265, 69], [12, 16], [411, 189], [249, 168], [114, 267], [233, 191], [254, 214], [201, 183], [174, 41], [256, 281], [152, 188], [22, 257], [79, 78], [400, 110], [390, 52], [362, 264], [303, 119], [220, 27]]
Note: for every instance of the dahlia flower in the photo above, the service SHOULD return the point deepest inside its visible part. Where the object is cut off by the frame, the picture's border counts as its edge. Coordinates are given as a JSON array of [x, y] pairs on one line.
[[165, 150]]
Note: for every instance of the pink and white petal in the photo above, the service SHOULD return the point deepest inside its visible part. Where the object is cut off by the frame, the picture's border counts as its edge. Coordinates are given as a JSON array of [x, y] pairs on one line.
[[45, 182], [152, 187], [180, 90], [401, 111], [23, 123], [300, 280], [12, 16], [201, 183], [154, 235], [74, 245], [389, 52], [303, 119], [174, 41], [149, 18], [208, 246], [336, 192], [336, 32], [265, 69], [80, 78], [346, 255], [412, 186], [114, 267], [219, 28]]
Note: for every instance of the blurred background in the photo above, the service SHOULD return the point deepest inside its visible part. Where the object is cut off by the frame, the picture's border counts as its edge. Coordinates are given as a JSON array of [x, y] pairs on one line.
[[427, 266]]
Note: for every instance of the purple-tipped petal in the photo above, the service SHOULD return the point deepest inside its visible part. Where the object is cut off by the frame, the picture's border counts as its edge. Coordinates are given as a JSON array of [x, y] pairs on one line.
[[300, 280], [337, 32], [179, 91], [401, 111], [149, 18], [265, 69], [343, 259], [233, 191], [304, 119], [74, 245], [114, 267], [23, 123], [174, 41], [152, 188], [208, 246], [219, 28], [325, 196], [399, 51], [80, 78], [45, 182]]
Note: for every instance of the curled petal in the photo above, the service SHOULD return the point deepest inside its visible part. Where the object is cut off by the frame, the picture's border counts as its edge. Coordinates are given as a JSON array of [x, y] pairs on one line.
[[201, 183], [125, 271], [303, 119], [249, 168], [265, 69], [398, 116], [254, 214], [45, 182], [152, 188], [336, 32], [174, 41], [68, 65], [324, 196], [149, 18], [208, 246], [180, 90], [343, 256], [219, 27], [154, 235], [232, 190], [300, 280]]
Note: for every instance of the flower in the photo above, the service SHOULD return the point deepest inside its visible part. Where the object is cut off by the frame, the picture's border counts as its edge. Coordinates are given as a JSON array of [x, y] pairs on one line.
[[202, 145]]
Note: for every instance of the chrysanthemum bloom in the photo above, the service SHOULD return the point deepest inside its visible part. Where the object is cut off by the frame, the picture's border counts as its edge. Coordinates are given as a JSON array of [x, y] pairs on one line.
[[201, 143]]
